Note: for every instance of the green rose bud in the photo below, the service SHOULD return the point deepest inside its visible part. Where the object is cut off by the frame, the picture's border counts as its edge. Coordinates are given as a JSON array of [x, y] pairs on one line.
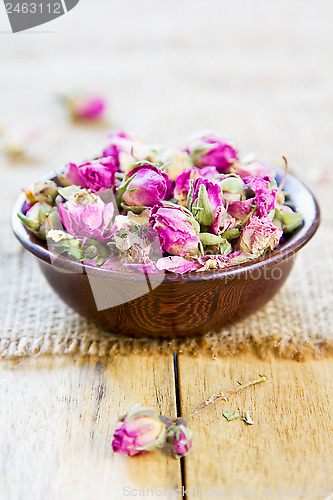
[[39, 218], [42, 191]]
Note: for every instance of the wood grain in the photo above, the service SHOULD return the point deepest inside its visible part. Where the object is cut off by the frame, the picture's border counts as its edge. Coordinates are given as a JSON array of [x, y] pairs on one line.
[[57, 419], [287, 453]]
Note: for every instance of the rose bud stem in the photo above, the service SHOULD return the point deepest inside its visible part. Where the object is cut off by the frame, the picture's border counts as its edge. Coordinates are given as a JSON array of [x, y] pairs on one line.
[[226, 395], [286, 169]]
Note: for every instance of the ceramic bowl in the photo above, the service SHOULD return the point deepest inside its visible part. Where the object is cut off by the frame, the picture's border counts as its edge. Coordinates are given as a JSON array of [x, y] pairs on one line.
[[182, 305]]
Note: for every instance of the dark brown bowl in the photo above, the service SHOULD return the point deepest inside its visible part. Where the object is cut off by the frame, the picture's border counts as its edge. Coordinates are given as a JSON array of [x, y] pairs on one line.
[[182, 305]]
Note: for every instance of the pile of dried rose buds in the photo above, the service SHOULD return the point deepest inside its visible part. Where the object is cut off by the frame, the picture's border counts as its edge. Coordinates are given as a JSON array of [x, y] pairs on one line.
[[153, 209], [142, 430]]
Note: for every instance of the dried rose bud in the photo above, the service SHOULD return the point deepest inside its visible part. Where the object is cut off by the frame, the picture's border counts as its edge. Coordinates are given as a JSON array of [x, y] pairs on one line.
[[85, 106], [204, 200], [264, 196], [125, 149], [145, 186], [178, 231], [211, 150], [43, 191], [183, 181], [259, 235], [287, 219], [179, 438], [94, 252], [177, 264], [61, 242], [96, 175], [223, 221], [240, 209], [126, 233], [87, 216], [141, 431], [16, 143], [232, 184], [253, 168], [36, 218]]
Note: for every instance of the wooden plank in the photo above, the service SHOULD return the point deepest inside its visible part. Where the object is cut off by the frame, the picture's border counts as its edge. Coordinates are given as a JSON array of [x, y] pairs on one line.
[[57, 420], [287, 453]]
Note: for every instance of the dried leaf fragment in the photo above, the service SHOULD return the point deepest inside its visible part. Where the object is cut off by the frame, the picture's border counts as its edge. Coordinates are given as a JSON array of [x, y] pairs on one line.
[[231, 415], [247, 419]]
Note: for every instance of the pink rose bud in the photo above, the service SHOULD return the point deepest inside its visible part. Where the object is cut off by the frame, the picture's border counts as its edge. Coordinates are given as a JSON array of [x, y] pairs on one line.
[[141, 431], [240, 209], [35, 219], [85, 106], [87, 216], [176, 264], [180, 439], [205, 201], [211, 150], [125, 149], [264, 197], [253, 168], [178, 231], [96, 175], [259, 235], [145, 186], [183, 181]]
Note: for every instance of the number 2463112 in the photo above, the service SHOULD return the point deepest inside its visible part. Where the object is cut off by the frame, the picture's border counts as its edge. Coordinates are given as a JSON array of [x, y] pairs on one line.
[[34, 8]]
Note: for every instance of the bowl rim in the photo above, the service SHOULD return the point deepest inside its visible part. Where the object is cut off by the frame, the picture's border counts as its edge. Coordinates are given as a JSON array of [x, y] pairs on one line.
[[296, 241]]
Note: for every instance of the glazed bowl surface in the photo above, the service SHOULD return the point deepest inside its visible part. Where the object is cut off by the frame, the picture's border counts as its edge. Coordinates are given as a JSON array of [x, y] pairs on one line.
[[173, 305]]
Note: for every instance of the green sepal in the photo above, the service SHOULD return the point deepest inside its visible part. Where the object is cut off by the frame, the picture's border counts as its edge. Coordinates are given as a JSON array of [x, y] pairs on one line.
[[94, 250], [225, 247], [201, 208], [232, 184], [44, 211], [37, 224], [199, 148], [190, 195], [135, 209], [231, 234], [71, 247], [69, 192], [123, 187], [278, 222], [211, 239], [254, 207], [291, 221], [29, 223]]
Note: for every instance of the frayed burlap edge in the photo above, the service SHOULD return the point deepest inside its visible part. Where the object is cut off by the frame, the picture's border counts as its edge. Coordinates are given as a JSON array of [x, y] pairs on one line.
[[77, 345]]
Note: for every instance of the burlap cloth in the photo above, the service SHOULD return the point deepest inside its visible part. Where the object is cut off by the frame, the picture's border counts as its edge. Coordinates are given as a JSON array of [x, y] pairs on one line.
[[267, 84]]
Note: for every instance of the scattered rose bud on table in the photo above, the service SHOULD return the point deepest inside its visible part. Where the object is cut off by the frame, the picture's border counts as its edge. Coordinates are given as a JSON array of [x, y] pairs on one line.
[[16, 143], [141, 430], [85, 106]]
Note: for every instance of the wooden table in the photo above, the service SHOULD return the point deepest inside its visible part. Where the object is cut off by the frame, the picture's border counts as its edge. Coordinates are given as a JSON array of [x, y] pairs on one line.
[[57, 418]]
